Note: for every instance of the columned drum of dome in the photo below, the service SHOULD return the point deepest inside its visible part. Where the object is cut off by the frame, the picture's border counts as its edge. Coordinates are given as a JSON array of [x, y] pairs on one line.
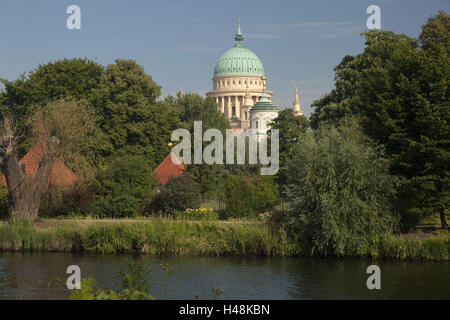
[[237, 83]]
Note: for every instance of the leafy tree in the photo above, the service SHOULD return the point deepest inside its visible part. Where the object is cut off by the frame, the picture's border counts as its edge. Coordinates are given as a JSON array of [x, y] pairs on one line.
[[435, 33], [400, 91], [194, 107], [132, 121], [340, 191], [66, 78], [179, 193], [122, 187], [292, 130]]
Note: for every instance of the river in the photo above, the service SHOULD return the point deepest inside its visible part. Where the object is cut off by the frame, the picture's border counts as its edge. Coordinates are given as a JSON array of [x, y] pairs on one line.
[[43, 276]]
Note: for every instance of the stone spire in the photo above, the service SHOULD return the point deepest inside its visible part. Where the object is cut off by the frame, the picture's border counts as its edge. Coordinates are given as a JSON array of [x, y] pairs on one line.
[[297, 110], [239, 38]]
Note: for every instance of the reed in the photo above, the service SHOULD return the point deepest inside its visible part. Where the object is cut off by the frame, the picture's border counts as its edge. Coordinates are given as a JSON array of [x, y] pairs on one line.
[[156, 237], [210, 238]]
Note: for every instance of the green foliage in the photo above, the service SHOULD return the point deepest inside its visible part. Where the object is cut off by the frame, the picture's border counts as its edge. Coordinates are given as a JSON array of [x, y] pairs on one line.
[[179, 193], [292, 130], [131, 120], [5, 205], [194, 107], [340, 190], [122, 187], [249, 195], [66, 78], [86, 292], [400, 91], [134, 286]]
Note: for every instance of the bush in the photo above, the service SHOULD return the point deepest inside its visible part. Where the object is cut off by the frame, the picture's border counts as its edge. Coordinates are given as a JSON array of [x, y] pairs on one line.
[[68, 200], [247, 196], [122, 187], [340, 191], [179, 193]]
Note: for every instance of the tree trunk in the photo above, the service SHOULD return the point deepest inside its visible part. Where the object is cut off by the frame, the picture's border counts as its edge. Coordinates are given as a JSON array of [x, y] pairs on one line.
[[26, 191], [443, 221]]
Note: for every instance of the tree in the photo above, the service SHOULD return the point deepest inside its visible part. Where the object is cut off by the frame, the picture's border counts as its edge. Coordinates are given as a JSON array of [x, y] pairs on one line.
[[400, 91], [67, 78], [194, 107], [340, 190], [435, 33], [292, 130], [56, 133], [131, 120]]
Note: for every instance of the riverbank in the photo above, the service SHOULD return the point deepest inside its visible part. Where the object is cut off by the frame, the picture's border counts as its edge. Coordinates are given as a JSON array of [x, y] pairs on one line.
[[183, 238]]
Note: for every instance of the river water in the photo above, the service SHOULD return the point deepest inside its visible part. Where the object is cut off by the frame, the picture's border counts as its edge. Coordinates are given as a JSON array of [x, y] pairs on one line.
[[43, 276]]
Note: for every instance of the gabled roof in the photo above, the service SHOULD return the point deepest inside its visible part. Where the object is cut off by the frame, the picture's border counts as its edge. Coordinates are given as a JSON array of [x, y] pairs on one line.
[[168, 168], [60, 174]]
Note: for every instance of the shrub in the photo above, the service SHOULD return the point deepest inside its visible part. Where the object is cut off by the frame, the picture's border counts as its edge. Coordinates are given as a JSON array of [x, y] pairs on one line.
[[247, 196], [179, 193], [122, 187]]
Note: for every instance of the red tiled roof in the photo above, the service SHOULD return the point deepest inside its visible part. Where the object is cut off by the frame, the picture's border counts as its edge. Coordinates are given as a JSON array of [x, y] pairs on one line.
[[60, 174], [168, 168]]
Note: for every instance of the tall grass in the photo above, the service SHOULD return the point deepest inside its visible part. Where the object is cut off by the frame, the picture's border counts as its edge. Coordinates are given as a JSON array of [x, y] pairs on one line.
[[168, 237], [153, 237]]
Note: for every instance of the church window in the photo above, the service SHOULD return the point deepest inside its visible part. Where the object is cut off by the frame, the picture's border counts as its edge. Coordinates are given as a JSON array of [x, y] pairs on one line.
[[233, 111], [256, 124]]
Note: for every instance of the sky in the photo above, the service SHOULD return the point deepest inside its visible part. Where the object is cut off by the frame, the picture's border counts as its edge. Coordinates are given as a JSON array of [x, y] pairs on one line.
[[179, 42]]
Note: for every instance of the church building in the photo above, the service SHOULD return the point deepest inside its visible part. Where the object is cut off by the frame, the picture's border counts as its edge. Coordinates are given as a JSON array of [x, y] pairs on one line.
[[239, 89]]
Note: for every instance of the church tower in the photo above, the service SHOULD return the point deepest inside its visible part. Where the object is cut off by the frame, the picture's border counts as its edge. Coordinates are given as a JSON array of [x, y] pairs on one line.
[[297, 110]]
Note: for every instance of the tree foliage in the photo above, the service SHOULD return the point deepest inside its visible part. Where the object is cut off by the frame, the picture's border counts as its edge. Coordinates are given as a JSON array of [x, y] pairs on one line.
[[246, 195], [399, 88], [132, 121], [178, 194], [122, 187], [292, 130], [340, 190]]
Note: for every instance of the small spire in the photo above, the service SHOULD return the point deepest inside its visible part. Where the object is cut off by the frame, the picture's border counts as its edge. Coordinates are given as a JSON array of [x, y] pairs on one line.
[[239, 36], [297, 111]]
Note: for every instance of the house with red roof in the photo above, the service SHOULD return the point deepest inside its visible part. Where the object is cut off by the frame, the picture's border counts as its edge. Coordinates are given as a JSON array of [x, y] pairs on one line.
[[60, 174], [170, 166]]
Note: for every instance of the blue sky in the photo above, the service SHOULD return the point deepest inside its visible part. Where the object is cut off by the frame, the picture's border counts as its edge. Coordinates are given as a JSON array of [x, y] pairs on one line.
[[178, 42]]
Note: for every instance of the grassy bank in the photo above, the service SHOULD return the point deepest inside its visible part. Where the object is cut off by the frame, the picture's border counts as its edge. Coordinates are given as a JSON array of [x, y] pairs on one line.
[[157, 237], [169, 237]]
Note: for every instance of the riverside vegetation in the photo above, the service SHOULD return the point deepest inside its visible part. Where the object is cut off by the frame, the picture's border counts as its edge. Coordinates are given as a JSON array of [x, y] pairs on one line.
[[171, 237]]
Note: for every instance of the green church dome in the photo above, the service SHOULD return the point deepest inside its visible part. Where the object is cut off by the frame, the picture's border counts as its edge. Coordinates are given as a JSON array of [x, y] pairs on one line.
[[239, 60]]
